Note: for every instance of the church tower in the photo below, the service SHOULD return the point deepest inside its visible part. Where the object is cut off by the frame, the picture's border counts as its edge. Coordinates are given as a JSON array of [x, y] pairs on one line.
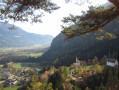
[[77, 62]]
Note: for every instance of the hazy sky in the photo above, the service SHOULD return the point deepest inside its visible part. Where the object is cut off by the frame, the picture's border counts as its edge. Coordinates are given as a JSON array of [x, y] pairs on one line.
[[52, 22]]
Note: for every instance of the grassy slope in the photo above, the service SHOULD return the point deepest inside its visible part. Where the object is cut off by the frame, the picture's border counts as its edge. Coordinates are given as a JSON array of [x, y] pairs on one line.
[[12, 88], [1, 65], [33, 54], [28, 65], [17, 65], [22, 53]]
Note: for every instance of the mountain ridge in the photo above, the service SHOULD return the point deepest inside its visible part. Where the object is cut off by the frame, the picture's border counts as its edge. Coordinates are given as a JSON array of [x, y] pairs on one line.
[[21, 38]]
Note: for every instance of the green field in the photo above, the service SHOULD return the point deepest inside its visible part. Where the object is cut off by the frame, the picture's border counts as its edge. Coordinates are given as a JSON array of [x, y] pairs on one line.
[[28, 65], [21, 48], [18, 65], [33, 54], [1, 65], [91, 66], [12, 88], [24, 51]]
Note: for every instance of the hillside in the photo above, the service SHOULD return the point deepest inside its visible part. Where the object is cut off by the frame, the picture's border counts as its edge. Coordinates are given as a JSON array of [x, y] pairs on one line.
[[86, 47], [20, 38]]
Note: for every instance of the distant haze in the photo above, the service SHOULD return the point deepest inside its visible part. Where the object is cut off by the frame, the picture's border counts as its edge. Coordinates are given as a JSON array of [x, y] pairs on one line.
[[20, 38]]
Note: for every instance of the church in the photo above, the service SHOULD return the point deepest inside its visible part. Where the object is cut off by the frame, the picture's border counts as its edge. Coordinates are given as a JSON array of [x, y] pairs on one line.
[[77, 62]]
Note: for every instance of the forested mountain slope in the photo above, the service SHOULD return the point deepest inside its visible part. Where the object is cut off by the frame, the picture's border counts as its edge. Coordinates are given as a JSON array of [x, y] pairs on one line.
[[86, 47], [20, 38]]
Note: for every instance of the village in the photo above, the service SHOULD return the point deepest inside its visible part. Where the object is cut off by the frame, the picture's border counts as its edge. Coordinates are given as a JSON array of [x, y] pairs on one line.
[[78, 71], [81, 69], [9, 75], [91, 67]]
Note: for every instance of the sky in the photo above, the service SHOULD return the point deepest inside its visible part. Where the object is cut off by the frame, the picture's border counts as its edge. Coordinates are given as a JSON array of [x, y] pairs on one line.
[[51, 23]]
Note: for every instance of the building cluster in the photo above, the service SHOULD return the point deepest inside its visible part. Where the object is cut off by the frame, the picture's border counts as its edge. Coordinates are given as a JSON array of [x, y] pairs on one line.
[[12, 76]]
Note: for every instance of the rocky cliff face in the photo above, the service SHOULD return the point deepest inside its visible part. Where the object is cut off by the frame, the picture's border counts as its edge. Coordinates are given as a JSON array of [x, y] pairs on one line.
[[84, 46]]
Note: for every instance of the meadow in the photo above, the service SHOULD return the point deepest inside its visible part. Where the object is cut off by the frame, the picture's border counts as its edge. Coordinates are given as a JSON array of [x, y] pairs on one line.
[[21, 54], [28, 65], [12, 88]]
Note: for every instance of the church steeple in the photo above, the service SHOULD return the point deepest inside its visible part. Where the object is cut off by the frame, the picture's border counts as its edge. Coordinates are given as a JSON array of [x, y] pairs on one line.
[[77, 62], [77, 59]]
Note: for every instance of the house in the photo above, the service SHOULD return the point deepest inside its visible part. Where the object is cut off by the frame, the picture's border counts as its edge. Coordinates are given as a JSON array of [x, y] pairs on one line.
[[9, 76], [77, 62], [112, 62], [14, 82], [9, 82]]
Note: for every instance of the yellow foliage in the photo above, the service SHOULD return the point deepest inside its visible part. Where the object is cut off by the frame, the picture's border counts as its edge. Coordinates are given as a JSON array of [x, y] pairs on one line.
[[77, 69], [100, 30], [46, 72], [39, 84], [50, 84]]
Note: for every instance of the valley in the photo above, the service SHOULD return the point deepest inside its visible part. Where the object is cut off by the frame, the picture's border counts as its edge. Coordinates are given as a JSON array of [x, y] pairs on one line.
[[20, 38], [16, 67], [80, 63], [21, 54], [59, 45]]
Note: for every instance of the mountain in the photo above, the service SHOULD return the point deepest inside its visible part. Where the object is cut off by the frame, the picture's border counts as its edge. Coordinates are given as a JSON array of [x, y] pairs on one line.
[[20, 38], [108, 5], [86, 47]]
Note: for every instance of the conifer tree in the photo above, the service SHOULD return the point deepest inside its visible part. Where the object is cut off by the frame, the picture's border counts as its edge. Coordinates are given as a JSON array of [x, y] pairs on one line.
[[56, 80], [24, 10], [93, 20]]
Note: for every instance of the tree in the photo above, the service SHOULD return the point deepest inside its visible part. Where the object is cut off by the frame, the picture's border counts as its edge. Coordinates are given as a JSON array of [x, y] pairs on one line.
[[34, 82], [95, 60], [1, 86], [65, 70], [87, 88], [93, 20], [104, 60], [23, 10], [46, 86], [56, 80], [101, 87]]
